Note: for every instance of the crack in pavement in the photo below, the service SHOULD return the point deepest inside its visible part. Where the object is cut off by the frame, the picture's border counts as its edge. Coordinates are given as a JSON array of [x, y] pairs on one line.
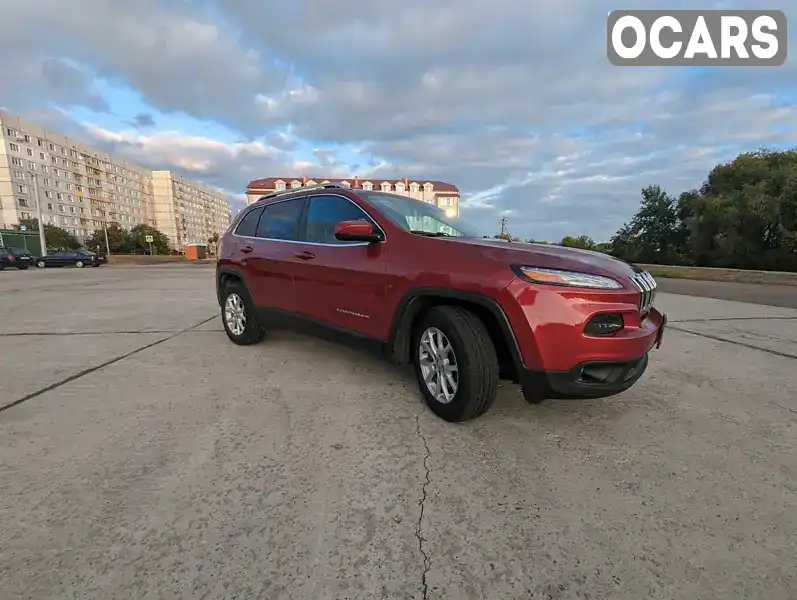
[[422, 504], [736, 343], [90, 370]]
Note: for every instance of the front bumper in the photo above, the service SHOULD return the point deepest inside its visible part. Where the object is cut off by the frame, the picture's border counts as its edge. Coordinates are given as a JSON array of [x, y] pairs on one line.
[[589, 379]]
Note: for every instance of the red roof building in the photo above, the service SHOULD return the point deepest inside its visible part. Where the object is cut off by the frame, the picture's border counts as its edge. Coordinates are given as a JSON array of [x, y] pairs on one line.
[[440, 193]]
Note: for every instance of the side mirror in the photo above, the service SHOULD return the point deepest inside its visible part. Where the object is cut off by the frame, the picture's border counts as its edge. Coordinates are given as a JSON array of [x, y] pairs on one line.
[[357, 231]]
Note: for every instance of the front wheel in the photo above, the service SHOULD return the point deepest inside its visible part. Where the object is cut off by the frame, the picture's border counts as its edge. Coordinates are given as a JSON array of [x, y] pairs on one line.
[[456, 364], [238, 316], [41, 264], [79, 264]]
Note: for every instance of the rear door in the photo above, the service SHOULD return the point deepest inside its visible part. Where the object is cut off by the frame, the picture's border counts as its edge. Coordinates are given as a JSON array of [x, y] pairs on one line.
[[341, 283], [272, 259]]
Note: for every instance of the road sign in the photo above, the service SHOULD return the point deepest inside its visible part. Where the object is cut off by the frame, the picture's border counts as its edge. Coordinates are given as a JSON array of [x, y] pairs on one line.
[[149, 239]]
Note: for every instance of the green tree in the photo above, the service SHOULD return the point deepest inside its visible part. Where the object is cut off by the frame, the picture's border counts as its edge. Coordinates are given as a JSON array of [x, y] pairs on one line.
[[583, 242], [138, 234], [506, 236], [56, 237], [743, 216], [655, 233], [118, 239]]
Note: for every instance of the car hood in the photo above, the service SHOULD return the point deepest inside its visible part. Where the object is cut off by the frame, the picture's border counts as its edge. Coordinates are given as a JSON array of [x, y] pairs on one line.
[[552, 257]]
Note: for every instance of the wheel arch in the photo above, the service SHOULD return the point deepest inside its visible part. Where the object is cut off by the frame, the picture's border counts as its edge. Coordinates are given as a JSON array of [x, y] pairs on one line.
[[223, 276], [417, 301]]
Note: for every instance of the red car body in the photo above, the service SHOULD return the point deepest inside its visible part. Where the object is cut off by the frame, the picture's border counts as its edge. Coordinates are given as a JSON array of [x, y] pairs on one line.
[[374, 289]]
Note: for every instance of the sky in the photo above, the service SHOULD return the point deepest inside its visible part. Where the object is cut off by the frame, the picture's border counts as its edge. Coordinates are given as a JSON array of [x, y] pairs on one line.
[[515, 102]]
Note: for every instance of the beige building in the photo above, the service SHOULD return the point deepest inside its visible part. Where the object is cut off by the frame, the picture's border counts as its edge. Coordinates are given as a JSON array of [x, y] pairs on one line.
[[185, 211], [81, 188], [441, 194]]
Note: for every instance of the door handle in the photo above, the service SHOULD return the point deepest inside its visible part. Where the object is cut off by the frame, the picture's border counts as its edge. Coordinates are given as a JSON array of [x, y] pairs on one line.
[[247, 249], [304, 255]]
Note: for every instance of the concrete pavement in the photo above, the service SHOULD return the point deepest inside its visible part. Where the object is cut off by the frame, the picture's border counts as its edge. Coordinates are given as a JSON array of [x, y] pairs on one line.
[[163, 461]]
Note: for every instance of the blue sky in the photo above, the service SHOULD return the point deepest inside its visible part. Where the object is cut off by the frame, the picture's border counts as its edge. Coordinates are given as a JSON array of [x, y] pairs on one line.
[[514, 102]]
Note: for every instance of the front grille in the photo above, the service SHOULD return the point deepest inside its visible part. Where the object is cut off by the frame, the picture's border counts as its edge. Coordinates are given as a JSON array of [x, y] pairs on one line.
[[647, 286]]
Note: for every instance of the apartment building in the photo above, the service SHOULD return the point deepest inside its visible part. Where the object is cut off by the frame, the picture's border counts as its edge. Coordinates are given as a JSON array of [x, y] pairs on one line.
[[79, 187], [82, 188], [440, 193], [185, 211]]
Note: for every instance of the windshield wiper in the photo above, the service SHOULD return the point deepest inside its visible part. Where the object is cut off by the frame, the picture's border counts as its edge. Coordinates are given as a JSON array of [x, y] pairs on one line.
[[429, 233]]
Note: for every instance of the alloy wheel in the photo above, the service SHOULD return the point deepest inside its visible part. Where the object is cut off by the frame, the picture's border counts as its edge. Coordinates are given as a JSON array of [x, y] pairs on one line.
[[438, 364], [235, 314]]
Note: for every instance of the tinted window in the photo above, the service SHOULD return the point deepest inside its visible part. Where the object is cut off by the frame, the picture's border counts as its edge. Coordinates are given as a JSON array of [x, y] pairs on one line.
[[248, 225], [325, 212], [280, 220]]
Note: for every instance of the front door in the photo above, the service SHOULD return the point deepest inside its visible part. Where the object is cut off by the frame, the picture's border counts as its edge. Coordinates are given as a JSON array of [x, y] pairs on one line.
[[341, 283]]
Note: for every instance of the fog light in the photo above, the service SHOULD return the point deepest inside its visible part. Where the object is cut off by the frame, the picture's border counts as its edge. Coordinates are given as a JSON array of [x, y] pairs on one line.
[[604, 324]]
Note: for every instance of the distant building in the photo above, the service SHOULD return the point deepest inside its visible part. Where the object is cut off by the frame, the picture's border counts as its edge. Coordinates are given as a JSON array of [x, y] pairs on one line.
[[441, 194], [82, 188], [187, 212]]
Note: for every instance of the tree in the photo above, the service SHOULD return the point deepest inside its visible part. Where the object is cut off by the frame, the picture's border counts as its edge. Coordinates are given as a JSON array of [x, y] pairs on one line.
[[118, 239], [506, 236], [56, 237], [743, 216], [213, 240], [583, 242], [139, 233], [654, 234]]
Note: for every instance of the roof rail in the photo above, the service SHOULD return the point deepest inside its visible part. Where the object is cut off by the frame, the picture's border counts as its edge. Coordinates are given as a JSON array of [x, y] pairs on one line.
[[317, 186]]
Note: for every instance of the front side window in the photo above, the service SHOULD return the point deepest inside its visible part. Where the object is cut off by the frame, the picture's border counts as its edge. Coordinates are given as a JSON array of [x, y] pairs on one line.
[[280, 221], [420, 217], [248, 225], [326, 211]]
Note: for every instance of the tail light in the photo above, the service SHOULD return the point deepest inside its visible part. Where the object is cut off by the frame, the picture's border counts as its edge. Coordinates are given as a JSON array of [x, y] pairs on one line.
[[11, 258]]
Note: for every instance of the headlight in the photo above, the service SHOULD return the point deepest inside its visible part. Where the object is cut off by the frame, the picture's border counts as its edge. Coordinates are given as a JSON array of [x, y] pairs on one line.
[[568, 278]]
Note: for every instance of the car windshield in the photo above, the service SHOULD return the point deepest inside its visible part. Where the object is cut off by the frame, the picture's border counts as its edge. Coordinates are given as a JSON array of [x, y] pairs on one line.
[[419, 217]]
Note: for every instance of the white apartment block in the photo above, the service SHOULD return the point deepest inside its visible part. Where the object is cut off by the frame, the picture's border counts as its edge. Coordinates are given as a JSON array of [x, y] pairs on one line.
[[440, 193], [79, 187], [185, 211], [82, 188]]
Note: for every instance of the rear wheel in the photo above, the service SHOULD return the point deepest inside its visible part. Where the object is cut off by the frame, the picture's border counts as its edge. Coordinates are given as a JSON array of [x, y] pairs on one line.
[[23, 267], [79, 264], [238, 316], [455, 363]]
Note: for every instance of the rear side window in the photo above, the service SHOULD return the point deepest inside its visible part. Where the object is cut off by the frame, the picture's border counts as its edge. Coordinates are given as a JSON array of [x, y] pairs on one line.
[[248, 225], [280, 220]]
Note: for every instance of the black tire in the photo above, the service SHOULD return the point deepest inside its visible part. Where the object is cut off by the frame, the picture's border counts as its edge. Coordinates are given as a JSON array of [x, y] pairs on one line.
[[41, 264], [476, 359], [2, 266], [25, 268], [80, 264], [252, 332]]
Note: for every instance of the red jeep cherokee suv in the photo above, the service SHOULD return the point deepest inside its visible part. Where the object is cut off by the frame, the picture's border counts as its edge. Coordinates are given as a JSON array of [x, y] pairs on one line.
[[400, 276]]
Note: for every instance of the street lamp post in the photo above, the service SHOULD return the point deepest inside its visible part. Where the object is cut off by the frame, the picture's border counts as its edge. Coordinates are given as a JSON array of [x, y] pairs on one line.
[[39, 218]]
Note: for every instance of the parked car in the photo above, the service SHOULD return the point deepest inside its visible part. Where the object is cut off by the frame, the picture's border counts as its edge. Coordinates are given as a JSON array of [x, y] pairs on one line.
[[15, 257], [77, 258], [400, 276]]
